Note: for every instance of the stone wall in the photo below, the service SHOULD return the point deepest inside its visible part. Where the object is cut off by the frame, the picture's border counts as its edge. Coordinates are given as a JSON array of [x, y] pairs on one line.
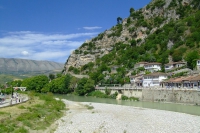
[[176, 96], [162, 95]]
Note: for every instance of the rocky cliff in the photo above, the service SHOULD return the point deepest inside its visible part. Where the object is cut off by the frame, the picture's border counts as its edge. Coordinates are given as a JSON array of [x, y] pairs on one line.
[[137, 27]]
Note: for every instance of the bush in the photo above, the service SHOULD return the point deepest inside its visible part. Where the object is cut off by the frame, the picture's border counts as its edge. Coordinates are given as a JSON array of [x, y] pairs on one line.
[[114, 96], [107, 91], [133, 99], [98, 94], [124, 97]]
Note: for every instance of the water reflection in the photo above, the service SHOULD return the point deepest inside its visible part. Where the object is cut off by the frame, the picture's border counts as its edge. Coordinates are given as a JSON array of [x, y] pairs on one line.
[[189, 109]]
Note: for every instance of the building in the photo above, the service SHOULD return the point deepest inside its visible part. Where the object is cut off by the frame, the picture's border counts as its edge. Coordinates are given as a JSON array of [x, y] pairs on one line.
[[174, 65], [152, 67], [153, 79], [136, 80], [139, 64], [198, 65]]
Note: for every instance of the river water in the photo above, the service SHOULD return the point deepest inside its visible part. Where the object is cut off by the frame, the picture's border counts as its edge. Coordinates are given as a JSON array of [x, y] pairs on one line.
[[189, 109]]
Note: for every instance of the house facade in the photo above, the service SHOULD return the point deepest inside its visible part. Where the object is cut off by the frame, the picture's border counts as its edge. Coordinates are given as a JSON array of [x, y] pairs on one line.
[[139, 64], [174, 65], [136, 80], [198, 65], [152, 67], [153, 79]]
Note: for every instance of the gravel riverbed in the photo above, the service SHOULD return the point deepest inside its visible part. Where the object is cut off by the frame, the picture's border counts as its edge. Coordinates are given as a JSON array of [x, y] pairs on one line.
[[108, 118]]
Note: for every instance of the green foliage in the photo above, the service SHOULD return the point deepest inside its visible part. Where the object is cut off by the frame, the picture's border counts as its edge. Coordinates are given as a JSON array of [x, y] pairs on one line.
[[98, 94], [51, 76], [191, 58], [84, 86], [124, 97], [132, 10], [107, 91], [59, 85], [119, 20], [133, 99], [179, 74], [35, 83], [36, 117], [114, 96]]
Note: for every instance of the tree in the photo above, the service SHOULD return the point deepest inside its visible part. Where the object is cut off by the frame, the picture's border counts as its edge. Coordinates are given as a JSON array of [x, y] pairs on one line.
[[51, 76], [84, 86], [59, 85], [132, 10], [133, 43], [35, 83], [119, 20], [191, 58], [73, 83], [58, 75]]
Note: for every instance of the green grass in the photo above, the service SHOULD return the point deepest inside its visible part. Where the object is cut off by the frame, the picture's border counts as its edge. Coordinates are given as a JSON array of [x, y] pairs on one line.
[[38, 114]]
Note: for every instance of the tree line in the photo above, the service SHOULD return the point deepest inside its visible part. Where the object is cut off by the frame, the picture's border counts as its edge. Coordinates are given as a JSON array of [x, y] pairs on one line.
[[61, 84]]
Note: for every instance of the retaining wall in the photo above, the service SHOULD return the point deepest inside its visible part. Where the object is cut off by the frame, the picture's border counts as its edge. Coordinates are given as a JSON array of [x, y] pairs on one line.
[[163, 95]]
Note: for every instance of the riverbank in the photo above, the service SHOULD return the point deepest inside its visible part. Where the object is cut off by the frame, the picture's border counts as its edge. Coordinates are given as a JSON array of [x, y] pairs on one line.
[[88, 117]]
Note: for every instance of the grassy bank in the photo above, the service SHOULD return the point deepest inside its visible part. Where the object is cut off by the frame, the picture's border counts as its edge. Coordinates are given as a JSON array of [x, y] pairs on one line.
[[36, 115]]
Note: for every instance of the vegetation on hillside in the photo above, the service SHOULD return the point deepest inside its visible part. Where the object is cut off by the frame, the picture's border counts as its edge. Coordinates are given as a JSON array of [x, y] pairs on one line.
[[176, 38]]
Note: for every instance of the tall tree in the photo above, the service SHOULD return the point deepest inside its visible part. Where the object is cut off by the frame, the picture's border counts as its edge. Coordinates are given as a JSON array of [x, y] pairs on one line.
[[84, 86], [51, 76], [132, 10], [119, 20], [191, 58]]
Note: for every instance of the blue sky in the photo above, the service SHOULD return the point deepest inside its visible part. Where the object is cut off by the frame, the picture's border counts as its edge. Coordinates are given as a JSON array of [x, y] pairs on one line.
[[51, 29]]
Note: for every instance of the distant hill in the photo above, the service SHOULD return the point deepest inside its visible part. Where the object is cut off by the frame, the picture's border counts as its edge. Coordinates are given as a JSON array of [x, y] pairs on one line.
[[23, 66]]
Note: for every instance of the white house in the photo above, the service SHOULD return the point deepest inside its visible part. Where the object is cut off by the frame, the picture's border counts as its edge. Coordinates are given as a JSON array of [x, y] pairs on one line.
[[153, 79], [173, 65], [152, 67], [136, 80]]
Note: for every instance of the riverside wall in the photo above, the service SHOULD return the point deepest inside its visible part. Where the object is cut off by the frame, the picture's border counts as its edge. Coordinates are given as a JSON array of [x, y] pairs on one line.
[[187, 96], [176, 96]]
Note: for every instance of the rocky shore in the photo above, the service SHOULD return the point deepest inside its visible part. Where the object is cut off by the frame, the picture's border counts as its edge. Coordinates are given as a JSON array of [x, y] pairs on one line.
[[87, 117]]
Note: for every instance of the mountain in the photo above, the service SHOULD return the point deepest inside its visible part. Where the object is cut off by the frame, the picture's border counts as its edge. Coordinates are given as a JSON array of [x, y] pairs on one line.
[[24, 66], [163, 31]]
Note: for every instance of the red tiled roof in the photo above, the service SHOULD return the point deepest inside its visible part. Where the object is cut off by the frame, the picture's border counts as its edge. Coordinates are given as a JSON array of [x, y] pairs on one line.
[[196, 78]]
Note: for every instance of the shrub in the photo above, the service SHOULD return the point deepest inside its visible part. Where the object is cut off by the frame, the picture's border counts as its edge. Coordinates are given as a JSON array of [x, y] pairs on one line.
[[113, 96], [98, 94], [107, 91], [124, 97]]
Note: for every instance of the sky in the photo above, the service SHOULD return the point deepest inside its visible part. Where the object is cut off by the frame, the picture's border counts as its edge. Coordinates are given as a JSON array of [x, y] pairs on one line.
[[52, 29]]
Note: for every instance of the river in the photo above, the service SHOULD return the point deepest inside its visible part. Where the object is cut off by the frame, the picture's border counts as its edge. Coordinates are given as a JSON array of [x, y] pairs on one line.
[[189, 109]]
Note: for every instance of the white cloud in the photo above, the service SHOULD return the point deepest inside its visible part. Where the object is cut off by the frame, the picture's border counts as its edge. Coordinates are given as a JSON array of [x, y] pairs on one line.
[[40, 46], [92, 28], [25, 53]]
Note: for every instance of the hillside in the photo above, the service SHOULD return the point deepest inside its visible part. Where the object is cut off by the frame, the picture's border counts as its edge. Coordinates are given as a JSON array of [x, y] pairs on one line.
[[163, 31], [20, 68]]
